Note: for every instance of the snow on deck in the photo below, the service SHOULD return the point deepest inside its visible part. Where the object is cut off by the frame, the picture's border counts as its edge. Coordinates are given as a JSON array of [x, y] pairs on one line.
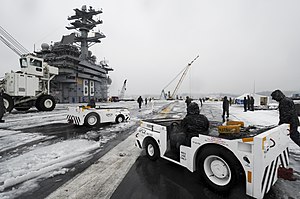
[[22, 171]]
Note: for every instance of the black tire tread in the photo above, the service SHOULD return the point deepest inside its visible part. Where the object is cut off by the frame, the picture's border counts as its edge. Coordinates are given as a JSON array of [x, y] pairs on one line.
[[42, 100], [10, 102], [156, 150], [117, 121]]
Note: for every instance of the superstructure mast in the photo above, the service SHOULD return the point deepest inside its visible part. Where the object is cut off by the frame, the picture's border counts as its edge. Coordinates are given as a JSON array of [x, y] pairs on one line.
[[84, 22]]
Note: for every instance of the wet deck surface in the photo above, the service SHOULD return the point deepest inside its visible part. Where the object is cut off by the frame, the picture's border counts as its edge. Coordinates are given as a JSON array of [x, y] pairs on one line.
[[162, 179]]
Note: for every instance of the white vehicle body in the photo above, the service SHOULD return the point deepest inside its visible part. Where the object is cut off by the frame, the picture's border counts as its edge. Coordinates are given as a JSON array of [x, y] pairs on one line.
[[85, 115], [258, 156], [30, 86]]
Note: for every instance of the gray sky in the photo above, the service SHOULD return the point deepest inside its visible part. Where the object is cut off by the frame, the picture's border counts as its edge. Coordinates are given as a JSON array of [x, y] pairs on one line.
[[149, 42]]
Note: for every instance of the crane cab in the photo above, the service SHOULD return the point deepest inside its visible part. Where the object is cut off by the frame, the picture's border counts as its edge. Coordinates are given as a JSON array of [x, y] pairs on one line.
[[32, 65]]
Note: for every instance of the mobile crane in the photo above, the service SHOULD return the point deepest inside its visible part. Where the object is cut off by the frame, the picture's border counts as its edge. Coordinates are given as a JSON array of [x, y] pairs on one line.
[[170, 96], [120, 97], [30, 86], [122, 93]]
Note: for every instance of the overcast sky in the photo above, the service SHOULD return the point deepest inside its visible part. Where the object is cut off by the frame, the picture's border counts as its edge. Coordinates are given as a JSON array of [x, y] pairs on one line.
[[241, 43]]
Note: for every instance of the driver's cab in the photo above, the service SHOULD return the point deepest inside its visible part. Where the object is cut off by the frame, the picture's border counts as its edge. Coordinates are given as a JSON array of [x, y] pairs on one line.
[[32, 65]]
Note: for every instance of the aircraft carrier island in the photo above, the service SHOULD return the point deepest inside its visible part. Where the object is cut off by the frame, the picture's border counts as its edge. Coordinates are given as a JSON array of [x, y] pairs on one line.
[[80, 76]]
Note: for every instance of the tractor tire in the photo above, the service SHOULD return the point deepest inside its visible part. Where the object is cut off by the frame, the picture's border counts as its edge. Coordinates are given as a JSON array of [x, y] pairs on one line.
[[46, 103], [152, 150], [8, 102], [92, 120], [119, 119], [218, 167], [37, 103]]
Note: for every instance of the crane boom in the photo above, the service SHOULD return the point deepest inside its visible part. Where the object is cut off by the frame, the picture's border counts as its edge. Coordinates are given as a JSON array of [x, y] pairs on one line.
[[122, 93], [182, 77], [12, 43]]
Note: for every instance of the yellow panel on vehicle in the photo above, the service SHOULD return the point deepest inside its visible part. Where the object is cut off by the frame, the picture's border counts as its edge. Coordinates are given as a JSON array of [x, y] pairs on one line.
[[229, 129], [235, 123]]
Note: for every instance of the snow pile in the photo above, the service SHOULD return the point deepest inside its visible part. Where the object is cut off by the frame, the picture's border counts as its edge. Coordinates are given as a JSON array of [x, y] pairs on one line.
[[19, 121], [13, 139], [43, 162], [20, 170]]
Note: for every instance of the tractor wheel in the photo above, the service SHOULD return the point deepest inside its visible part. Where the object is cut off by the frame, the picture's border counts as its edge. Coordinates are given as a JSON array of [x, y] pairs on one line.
[[8, 102], [46, 103], [119, 119], [152, 150], [37, 103], [92, 119], [218, 167]]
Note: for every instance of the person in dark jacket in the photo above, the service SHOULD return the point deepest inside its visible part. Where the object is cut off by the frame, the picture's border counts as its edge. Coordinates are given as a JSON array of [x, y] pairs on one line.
[[2, 108], [225, 108], [201, 102], [188, 100], [245, 104], [251, 103], [248, 100], [92, 103], [287, 114], [194, 123], [140, 101]]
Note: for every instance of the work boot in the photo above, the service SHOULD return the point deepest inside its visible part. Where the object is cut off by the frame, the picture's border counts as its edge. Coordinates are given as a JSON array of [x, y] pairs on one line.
[[286, 173]]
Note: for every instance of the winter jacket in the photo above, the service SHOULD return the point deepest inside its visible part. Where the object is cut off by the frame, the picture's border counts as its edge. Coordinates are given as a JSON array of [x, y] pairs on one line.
[[287, 110], [194, 123], [188, 101], [140, 100], [225, 104]]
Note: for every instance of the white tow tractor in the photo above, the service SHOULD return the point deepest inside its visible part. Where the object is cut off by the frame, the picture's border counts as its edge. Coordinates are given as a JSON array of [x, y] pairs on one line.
[[251, 155], [85, 115]]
